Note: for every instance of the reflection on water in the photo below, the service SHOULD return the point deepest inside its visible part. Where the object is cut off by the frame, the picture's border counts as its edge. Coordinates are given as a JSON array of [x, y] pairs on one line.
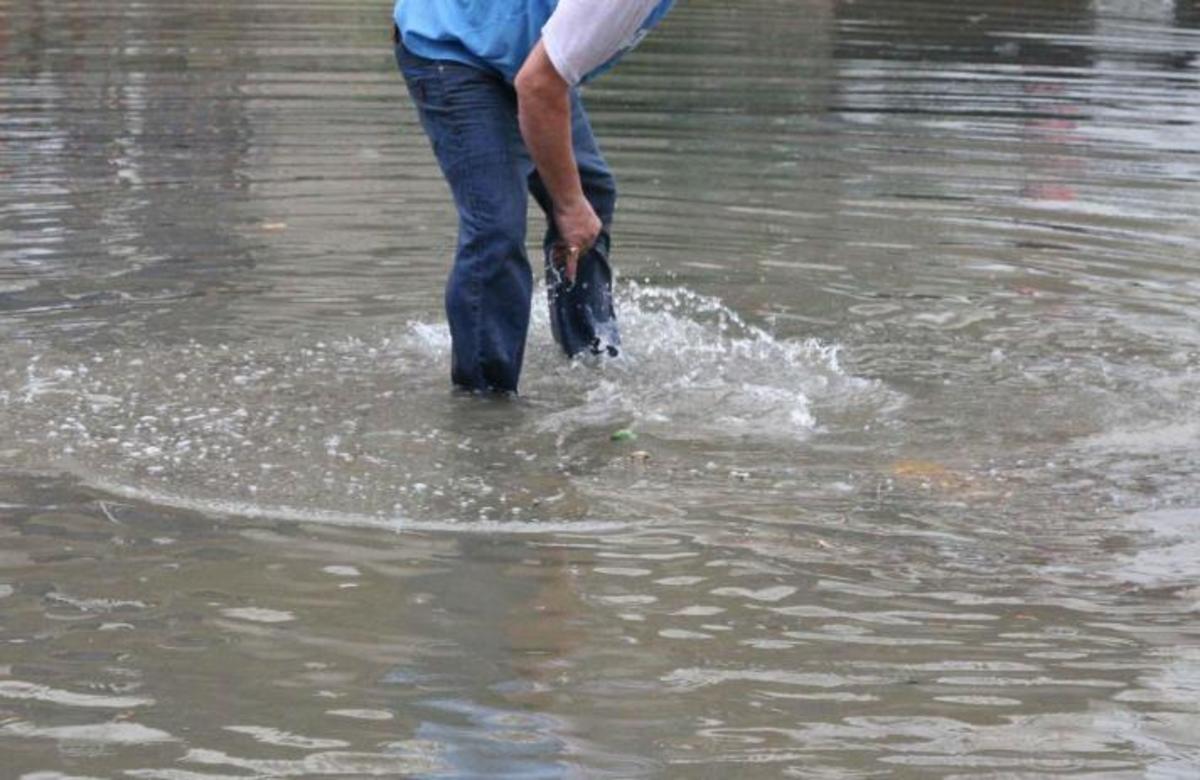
[[122, 160], [911, 294]]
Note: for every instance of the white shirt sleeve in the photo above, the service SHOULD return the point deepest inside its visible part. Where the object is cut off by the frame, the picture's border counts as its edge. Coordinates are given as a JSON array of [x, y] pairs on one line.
[[582, 35]]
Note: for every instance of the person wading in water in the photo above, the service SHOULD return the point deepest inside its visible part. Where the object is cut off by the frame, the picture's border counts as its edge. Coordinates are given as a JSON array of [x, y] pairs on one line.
[[495, 85]]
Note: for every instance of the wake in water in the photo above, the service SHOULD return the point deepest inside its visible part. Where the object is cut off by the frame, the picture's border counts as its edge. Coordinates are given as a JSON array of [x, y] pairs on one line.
[[362, 430]]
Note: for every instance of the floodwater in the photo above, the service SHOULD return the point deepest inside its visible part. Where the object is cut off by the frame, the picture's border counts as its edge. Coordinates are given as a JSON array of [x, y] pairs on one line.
[[911, 300]]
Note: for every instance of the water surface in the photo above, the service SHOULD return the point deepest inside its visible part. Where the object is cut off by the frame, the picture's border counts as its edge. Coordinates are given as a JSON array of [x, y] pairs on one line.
[[910, 294]]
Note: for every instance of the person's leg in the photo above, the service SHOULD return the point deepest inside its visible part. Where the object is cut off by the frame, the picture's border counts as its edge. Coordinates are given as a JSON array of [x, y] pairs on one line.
[[471, 118], [582, 317]]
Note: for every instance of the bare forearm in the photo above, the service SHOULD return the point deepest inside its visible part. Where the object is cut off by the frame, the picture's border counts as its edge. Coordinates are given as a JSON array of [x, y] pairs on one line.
[[544, 113]]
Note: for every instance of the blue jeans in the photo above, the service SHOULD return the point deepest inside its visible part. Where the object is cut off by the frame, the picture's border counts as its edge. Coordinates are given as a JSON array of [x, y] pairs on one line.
[[470, 116]]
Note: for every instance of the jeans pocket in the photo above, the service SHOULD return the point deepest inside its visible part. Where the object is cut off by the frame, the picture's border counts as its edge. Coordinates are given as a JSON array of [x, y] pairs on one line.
[[421, 75]]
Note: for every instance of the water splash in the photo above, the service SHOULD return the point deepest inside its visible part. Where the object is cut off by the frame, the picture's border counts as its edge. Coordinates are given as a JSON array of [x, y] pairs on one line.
[[694, 369], [360, 429]]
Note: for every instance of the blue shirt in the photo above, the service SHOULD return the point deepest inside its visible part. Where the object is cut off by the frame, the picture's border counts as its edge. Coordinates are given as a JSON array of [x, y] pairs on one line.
[[495, 35]]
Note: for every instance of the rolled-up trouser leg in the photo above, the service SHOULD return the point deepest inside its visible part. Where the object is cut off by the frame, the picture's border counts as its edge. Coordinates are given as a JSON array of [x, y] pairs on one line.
[[582, 316], [470, 116]]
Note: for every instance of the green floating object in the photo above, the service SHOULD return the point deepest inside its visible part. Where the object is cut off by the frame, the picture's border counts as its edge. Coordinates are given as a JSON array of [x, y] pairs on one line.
[[624, 435]]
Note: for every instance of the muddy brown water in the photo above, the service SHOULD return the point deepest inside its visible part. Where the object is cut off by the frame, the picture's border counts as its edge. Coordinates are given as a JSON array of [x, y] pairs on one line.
[[911, 296]]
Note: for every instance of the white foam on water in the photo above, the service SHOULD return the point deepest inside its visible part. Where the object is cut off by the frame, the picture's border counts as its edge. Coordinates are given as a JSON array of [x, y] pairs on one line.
[[431, 340], [124, 733], [773, 594], [420, 760], [185, 774], [980, 701], [259, 614], [272, 736], [342, 571], [94, 605], [249, 511], [701, 677], [18, 689], [362, 714]]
